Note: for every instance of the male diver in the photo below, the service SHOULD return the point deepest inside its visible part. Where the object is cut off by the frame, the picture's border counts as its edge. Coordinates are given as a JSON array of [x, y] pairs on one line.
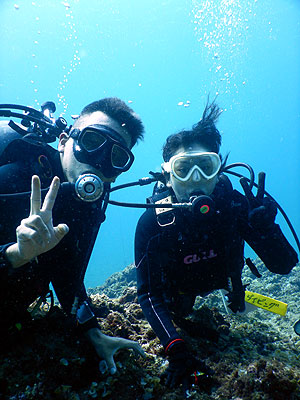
[[181, 253], [51, 241]]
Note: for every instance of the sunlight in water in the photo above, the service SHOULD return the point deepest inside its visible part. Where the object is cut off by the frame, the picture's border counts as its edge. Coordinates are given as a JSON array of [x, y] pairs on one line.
[[71, 37], [222, 29]]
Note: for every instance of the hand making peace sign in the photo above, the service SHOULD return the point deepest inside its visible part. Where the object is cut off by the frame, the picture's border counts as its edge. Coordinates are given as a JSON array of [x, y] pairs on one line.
[[262, 210], [36, 234]]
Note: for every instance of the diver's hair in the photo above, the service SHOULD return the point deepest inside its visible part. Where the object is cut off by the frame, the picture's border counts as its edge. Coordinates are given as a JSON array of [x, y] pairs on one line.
[[118, 110], [204, 133]]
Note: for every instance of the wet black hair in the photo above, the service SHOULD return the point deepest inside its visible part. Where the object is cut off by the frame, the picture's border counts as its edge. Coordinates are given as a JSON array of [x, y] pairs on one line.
[[118, 110], [203, 132]]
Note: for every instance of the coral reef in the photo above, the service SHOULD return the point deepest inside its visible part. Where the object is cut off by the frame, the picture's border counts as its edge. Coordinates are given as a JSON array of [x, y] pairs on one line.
[[255, 357], [115, 285]]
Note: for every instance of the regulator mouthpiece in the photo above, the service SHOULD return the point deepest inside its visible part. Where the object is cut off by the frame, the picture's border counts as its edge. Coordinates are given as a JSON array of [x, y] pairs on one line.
[[201, 204], [89, 187]]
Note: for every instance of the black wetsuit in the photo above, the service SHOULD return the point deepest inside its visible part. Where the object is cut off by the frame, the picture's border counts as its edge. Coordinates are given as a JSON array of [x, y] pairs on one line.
[[65, 265], [196, 255]]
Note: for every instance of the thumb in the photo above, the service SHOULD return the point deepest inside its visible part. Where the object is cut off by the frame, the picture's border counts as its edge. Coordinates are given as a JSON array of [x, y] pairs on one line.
[[111, 364], [60, 231]]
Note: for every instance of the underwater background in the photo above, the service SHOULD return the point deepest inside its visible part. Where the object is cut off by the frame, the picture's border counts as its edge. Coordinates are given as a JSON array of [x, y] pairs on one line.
[[165, 58]]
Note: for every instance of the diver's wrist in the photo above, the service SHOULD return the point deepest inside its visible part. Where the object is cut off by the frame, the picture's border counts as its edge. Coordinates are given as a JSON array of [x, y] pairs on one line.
[[95, 335], [13, 256]]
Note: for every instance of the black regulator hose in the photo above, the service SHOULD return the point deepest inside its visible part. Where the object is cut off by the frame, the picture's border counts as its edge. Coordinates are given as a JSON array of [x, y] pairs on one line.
[[140, 182], [31, 114], [49, 128], [29, 110], [45, 190], [244, 165], [149, 205]]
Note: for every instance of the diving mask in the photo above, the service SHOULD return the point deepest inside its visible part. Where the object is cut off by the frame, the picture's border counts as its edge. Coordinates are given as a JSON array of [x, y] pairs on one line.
[[183, 165], [103, 148]]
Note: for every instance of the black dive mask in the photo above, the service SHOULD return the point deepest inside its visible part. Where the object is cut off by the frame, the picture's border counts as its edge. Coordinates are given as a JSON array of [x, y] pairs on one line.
[[102, 148]]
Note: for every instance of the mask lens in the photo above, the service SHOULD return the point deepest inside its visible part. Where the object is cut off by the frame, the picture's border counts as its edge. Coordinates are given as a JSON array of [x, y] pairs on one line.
[[119, 157], [205, 163], [182, 167], [92, 140]]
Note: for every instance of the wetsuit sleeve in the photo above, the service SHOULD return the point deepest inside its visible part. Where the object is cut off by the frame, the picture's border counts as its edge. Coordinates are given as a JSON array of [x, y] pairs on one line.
[[69, 259], [67, 279], [149, 278], [5, 265], [9, 174], [269, 243]]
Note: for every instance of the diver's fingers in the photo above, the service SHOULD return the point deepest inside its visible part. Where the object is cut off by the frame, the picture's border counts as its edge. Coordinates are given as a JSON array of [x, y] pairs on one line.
[[51, 195], [261, 186], [185, 387], [246, 188], [103, 366], [130, 344], [60, 231], [111, 364], [35, 198]]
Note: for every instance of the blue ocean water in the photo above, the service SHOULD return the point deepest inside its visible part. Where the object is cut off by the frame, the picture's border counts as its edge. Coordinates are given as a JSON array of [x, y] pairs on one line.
[[165, 58]]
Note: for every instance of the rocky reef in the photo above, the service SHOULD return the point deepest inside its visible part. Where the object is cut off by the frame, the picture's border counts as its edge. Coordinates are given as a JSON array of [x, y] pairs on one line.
[[254, 357]]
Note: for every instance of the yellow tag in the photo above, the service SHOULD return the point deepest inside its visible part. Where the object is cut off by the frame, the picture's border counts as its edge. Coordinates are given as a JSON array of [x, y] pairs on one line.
[[166, 200], [266, 303]]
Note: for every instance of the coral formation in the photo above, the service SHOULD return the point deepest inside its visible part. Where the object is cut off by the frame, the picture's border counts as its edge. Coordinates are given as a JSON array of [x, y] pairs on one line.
[[255, 356]]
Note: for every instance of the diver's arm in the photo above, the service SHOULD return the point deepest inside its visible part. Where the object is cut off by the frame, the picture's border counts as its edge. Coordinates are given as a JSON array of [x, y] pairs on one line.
[[273, 249], [5, 264], [266, 239], [85, 323], [148, 264], [13, 178]]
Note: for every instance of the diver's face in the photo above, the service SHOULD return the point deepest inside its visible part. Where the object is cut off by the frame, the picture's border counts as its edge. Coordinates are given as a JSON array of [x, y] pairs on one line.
[[196, 184], [71, 166]]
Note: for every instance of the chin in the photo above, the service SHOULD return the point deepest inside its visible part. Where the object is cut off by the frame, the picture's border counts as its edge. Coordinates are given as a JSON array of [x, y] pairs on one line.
[[197, 193], [181, 198]]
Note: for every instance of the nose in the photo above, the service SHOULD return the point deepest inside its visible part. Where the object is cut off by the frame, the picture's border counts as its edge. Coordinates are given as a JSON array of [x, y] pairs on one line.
[[196, 176]]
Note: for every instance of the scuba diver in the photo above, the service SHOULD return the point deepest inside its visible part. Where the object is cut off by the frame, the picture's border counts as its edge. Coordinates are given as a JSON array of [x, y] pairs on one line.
[[51, 241], [181, 253]]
